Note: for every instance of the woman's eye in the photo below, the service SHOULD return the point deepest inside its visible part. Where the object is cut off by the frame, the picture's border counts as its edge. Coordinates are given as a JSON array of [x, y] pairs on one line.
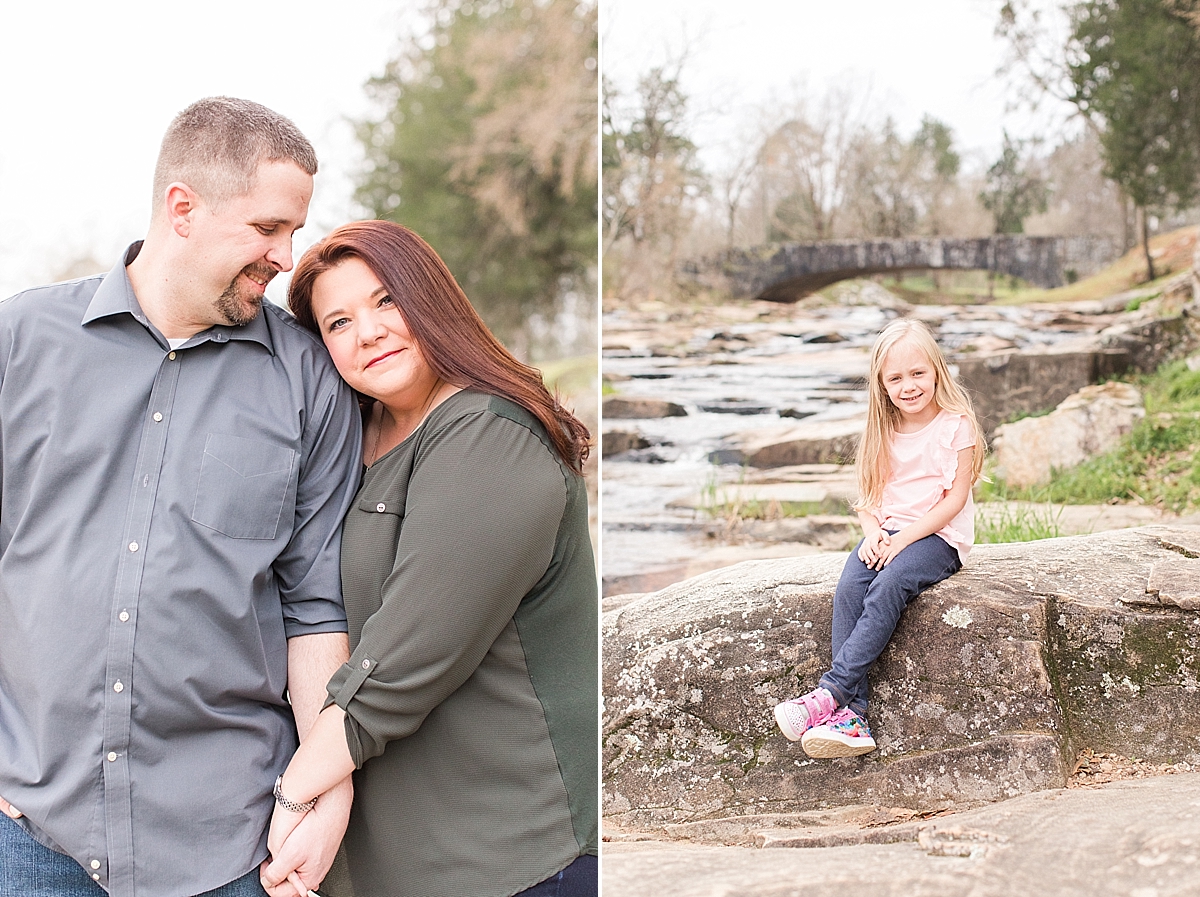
[[338, 323]]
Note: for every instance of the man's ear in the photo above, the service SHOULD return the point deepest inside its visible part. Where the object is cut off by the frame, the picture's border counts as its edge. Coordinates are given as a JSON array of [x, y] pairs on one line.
[[181, 205]]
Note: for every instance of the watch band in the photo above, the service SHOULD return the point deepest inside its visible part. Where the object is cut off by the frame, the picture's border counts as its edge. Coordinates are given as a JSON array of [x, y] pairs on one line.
[[291, 805]]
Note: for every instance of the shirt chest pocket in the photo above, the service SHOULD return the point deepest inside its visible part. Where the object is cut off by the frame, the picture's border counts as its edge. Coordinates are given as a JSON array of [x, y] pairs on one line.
[[243, 486]]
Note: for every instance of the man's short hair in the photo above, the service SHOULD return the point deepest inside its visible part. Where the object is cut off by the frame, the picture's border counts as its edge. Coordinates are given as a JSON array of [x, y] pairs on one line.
[[216, 144]]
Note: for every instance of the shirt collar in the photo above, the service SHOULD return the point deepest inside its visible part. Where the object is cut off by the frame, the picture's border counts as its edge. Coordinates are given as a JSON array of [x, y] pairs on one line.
[[115, 296]]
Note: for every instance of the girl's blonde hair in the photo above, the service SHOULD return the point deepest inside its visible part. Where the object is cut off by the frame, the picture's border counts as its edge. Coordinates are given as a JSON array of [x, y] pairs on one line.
[[874, 457]]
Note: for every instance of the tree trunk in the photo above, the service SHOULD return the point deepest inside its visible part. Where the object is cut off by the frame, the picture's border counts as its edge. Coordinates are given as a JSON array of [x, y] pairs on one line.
[[1128, 240], [1146, 244]]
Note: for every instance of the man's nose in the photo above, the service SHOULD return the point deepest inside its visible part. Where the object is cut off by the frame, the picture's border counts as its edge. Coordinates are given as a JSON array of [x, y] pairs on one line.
[[280, 253]]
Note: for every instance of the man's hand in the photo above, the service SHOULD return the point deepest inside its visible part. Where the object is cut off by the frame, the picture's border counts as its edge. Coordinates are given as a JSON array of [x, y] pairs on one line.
[[306, 845], [9, 810]]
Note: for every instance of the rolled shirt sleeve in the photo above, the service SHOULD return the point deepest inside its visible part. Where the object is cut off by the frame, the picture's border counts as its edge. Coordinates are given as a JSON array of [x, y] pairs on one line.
[[451, 538], [308, 570]]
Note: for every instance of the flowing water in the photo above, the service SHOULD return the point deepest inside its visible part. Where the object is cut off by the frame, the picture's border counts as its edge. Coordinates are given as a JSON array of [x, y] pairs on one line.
[[758, 368]]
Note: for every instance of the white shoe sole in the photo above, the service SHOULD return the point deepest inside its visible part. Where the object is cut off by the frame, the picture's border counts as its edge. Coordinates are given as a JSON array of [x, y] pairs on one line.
[[785, 725], [824, 744]]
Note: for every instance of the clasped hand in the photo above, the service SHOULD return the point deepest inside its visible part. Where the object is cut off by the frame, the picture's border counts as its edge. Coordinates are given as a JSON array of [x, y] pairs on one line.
[[303, 845], [880, 548]]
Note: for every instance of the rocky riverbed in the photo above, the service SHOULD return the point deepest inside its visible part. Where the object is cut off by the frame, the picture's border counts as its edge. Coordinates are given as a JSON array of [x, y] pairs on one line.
[[750, 410]]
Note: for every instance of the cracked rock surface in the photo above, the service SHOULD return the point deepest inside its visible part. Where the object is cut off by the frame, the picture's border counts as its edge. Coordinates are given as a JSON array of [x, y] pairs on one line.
[[1132, 838], [995, 680]]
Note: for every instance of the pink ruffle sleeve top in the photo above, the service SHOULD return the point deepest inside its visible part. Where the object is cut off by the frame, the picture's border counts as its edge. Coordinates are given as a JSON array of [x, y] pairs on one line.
[[923, 468]]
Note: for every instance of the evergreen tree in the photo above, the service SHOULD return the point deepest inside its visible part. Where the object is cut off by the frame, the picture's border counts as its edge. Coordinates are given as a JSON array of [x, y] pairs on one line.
[[486, 146], [1013, 192], [1135, 69]]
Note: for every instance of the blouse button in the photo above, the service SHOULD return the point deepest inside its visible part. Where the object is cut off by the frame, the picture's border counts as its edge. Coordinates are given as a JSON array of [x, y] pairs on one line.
[[381, 507], [366, 664]]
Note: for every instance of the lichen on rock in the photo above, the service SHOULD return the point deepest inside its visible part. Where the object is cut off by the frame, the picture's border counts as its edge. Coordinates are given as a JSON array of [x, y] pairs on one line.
[[994, 678]]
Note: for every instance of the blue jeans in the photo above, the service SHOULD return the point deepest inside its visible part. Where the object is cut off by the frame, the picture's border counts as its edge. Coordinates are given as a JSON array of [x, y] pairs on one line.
[[867, 606], [580, 879], [28, 869]]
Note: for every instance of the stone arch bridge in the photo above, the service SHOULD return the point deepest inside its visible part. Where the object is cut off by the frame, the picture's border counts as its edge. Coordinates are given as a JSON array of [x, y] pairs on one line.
[[787, 272]]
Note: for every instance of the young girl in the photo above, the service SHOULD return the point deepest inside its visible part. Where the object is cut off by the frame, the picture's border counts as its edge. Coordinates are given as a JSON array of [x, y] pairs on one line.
[[921, 453]]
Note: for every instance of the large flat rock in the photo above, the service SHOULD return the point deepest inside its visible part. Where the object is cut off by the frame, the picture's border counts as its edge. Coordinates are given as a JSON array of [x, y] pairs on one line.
[[1139, 838], [810, 442], [994, 680]]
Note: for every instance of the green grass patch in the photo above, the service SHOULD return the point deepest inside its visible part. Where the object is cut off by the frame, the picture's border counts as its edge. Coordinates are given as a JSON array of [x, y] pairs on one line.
[[953, 287], [1154, 464], [1017, 523], [724, 501]]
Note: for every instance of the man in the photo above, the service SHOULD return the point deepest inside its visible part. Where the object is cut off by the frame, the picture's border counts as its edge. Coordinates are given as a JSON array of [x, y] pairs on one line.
[[175, 462]]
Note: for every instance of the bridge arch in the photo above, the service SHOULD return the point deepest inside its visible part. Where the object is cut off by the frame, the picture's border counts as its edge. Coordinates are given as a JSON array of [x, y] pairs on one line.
[[790, 271]]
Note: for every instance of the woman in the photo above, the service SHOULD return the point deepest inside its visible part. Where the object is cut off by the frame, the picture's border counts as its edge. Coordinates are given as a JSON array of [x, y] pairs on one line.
[[468, 710]]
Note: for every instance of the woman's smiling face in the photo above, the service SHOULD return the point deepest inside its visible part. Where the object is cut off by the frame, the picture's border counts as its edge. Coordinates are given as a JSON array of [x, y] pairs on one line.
[[368, 338]]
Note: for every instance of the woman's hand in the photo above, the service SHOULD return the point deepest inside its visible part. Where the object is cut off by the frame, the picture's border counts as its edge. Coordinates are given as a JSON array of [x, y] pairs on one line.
[[283, 823], [303, 845]]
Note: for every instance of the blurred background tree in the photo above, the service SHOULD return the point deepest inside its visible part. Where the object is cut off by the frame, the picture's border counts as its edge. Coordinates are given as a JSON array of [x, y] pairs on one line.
[[1014, 191], [1134, 67], [652, 179], [485, 145]]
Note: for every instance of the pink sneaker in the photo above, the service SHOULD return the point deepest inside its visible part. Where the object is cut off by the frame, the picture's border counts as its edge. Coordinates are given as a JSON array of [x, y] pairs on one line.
[[845, 734], [797, 716]]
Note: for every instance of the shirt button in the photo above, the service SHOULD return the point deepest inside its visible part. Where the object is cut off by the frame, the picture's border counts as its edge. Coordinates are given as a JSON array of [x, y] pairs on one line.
[[366, 664], [381, 507], [118, 687], [112, 756], [123, 616], [133, 546], [96, 876], [95, 864], [171, 356], [157, 416]]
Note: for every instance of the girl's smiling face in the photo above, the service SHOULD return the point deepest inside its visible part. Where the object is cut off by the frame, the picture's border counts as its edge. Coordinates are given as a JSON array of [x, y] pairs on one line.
[[909, 379]]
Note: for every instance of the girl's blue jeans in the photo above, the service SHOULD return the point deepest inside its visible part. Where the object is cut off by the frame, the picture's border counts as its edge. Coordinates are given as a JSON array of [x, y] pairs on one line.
[[867, 606]]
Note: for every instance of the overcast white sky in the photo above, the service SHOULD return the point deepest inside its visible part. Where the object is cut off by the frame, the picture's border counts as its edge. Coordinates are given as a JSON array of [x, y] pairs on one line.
[[89, 87], [909, 59]]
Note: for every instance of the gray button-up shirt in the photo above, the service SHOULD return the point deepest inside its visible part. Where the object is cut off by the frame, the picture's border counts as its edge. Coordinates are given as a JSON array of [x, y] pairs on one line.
[[168, 519]]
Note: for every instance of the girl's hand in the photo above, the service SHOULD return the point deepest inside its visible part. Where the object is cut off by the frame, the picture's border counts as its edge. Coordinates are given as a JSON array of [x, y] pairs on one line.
[[895, 545], [872, 548]]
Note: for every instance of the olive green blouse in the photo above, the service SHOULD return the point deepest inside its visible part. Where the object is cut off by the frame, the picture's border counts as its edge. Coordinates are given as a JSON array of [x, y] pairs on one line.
[[471, 691]]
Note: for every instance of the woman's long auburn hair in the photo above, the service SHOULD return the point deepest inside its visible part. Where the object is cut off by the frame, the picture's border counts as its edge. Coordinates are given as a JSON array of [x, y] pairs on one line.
[[873, 462], [455, 343]]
